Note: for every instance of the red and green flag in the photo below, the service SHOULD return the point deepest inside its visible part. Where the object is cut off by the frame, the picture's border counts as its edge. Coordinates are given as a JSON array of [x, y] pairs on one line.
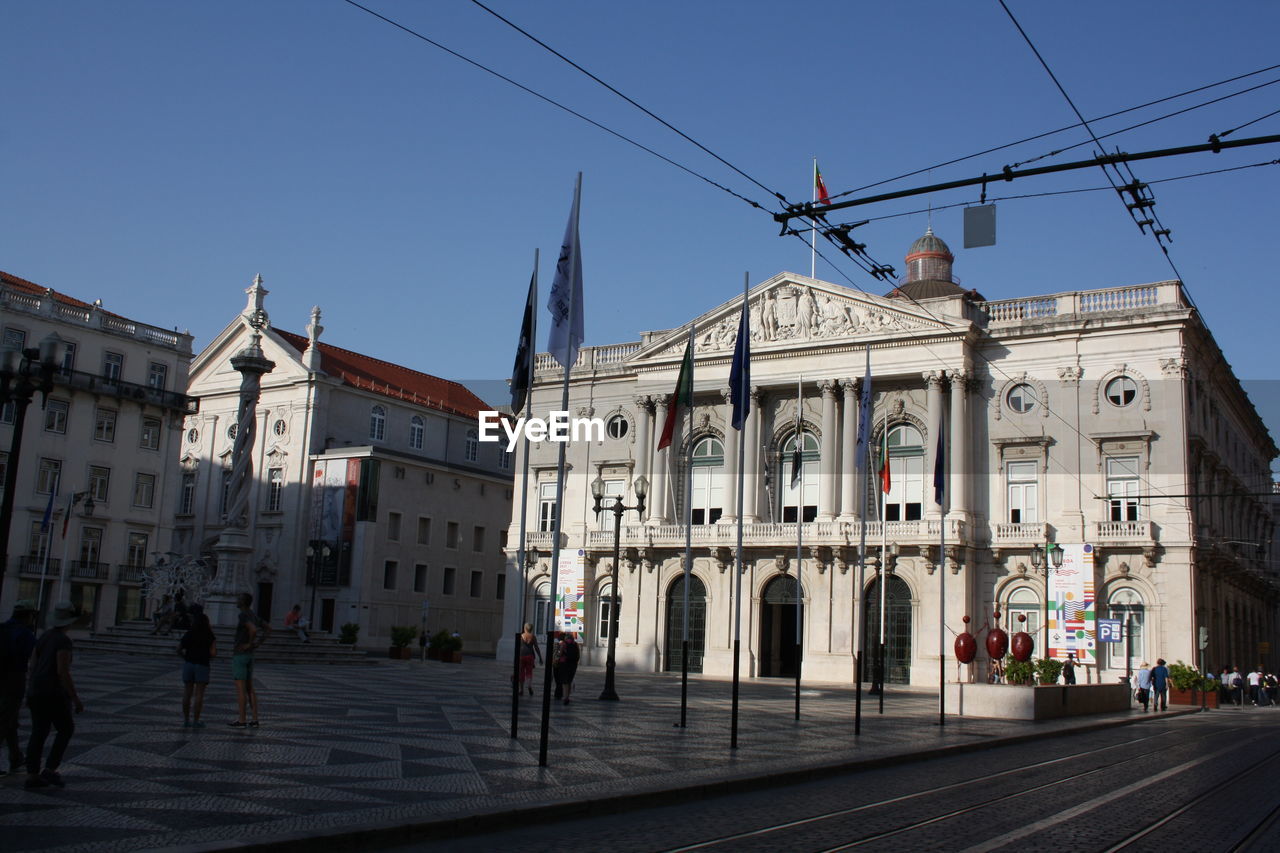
[[820, 188], [884, 465], [682, 399]]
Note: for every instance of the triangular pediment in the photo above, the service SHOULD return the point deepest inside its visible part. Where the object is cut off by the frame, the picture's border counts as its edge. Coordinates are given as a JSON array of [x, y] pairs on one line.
[[795, 311], [212, 366]]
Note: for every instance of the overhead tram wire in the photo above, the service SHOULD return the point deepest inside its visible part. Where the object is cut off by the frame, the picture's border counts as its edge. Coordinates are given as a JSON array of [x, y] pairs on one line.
[[553, 103], [1058, 130]]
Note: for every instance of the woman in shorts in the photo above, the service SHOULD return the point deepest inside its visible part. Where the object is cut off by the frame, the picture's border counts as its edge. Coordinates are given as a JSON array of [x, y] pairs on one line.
[[197, 647]]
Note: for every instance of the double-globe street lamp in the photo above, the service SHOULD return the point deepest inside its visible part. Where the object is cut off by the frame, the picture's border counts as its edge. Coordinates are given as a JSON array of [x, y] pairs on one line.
[[318, 552], [1045, 560], [641, 488], [23, 371]]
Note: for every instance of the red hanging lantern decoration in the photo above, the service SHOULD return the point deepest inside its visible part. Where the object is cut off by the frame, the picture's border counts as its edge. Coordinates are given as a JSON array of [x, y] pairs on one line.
[[966, 645], [997, 641], [1023, 645]]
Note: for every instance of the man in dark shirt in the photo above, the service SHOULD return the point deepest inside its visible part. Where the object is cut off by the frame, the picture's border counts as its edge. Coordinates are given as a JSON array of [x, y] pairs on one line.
[[50, 696], [251, 632], [17, 642], [1160, 686]]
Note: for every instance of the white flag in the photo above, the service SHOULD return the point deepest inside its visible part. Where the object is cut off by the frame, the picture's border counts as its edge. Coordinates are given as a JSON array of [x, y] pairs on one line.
[[565, 304]]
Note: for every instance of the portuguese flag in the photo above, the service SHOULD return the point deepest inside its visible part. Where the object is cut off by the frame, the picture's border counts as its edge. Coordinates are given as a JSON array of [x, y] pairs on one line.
[[820, 188], [884, 465], [681, 399]]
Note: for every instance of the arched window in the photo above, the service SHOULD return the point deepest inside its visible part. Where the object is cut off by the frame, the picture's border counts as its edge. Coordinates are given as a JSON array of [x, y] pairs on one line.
[[799, 491], [707, 499], [1024, 601], [417, 430], [905, 501], [1124, 603], [473, 446], [605, 609], [541, 607], [377, 423]]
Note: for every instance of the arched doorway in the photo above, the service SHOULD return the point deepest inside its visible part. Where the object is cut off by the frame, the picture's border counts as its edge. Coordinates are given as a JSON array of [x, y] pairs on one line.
[[697, 623], [779, 657], [897, 655]]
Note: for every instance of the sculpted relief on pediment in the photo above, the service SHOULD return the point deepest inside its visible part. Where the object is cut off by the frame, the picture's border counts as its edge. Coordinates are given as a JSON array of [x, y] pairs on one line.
[[797, 313]]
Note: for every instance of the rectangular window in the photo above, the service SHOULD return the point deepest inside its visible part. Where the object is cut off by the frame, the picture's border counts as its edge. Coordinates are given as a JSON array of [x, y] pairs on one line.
[[501, 592], [150, 437], [112, 366], [419, 578], [275, 489], [906, 489], [450, 580], [477, 539], [1122, 488], [104, 426], [15, 338], [424, 531], [389, 574], [547, 507], [477, 584], [393, 527], [1024, 504], [613, 489], [144, 490], [187, 497], [225, 503], [99, 483], [157, 375], [38, 543], [48, 476], [90, 545], [68, 357], [8, 413], [136, 555], [451, 535], [55, 416], [504, 460]]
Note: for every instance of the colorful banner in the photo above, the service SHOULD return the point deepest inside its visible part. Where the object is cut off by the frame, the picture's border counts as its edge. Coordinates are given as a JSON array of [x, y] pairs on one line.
[[1073, 612], [570, 610]]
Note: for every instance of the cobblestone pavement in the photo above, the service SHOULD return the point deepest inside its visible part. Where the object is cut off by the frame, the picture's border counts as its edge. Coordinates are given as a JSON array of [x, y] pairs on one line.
[[403, 744]]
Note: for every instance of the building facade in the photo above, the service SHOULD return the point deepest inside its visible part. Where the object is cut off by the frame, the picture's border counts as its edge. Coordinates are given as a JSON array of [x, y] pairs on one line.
[[98, 451], [1105, 421], [373, 501]]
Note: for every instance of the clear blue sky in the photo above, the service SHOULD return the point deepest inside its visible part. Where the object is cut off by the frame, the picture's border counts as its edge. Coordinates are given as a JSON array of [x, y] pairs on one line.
[[157, 155]]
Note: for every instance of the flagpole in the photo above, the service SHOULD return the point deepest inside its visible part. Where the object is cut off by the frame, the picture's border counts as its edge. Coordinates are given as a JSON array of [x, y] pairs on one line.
[[62, 569], [862, 465], [798, 457], [940, 489], [688, 542], [884, 557], [571, 279], [46, 529], [813, 228], [524, 495], [740, 406]]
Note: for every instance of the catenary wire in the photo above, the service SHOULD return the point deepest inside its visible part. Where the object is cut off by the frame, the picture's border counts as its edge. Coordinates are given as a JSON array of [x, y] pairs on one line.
[[1246, 124]]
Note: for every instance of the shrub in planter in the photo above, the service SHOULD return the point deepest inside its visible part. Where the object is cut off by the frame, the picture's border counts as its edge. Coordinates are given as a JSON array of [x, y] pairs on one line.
[[1183, 677], [1048, 670], [401, 637], [347, 633], [1018, 672], [436, 645]]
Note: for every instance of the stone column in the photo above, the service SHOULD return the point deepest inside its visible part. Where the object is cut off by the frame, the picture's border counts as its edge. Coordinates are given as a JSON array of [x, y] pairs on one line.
[[830, 451], [958, 488], [658, 511], [644, 430], [848, 452], [933, 381], [751, 489], [732, 437]]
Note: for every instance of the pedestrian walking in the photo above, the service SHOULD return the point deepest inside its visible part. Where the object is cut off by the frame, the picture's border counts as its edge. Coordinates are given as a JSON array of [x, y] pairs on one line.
[[251, 632], [17, 642], [1069, 669], [1144, 684], [528, 653], [198, 647], [1254, 678], [1160, 686], [51, 695], [566, 664]]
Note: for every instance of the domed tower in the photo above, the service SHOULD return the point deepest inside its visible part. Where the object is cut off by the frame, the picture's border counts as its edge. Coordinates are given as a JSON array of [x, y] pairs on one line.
[[928, 275]]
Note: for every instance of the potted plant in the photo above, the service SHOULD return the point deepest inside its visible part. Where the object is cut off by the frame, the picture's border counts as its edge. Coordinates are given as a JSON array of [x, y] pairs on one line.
[[401, 637], [347, 633], [452, 652], [436, 645], [1186, 686], [1018, 671], [1048, 670]]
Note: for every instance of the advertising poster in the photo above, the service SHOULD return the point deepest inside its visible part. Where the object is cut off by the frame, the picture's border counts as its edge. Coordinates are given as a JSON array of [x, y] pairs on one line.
[[570, 614], [1072, 607]]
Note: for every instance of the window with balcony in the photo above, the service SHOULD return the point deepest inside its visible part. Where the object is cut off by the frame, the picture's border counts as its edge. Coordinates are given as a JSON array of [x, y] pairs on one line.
[[68, 357], [905, 500], [104, 425], [136, 549], [149, 438], [90, 545], [112, 366], [37, 544], [157, 375], [707, 497], [1024, 492], [144, 490], [1122, 488], [99, 483], [546, 507], [613, 489], [798, 495], [55, 416]]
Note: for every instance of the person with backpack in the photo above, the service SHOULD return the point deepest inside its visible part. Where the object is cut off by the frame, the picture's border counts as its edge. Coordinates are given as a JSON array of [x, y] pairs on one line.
[[197, 647], [51, 696], [17, 642]]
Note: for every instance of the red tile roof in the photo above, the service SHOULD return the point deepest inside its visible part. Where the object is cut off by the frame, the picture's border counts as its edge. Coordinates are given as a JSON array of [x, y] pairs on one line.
[[34, 289], [391, 380]]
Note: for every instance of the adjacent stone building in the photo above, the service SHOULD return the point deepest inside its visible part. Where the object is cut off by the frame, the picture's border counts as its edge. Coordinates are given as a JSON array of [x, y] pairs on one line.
[[100, 449], [374, 502], [1103, 420]]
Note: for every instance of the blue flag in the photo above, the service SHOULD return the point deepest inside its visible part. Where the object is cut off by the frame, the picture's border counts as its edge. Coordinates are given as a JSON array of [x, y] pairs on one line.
[[940, 467], [524, 351], [864, 416], [48, 515], [740, 374], [565, 304]]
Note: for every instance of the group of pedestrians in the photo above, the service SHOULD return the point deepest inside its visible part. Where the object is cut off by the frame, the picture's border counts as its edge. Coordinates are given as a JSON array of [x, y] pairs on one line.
[[198, 647], [564, 661], [39, 671], [1153, 686], [1258, 687]]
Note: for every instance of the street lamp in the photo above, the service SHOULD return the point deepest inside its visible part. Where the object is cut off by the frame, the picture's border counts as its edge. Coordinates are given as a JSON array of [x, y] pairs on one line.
[[1040, 564], [23, 371], [318, 552], [641, 488]]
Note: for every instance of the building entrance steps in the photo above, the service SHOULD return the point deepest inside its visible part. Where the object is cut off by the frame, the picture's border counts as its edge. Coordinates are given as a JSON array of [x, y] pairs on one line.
[[281, 647]]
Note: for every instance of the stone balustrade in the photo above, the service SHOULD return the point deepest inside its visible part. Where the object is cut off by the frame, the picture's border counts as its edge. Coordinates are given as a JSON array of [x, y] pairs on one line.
[[780, 535], [1033, 309]]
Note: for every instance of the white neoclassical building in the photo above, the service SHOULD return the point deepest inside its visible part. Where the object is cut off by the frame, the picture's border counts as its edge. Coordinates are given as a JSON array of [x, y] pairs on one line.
[[373, 501], [1105, 421]]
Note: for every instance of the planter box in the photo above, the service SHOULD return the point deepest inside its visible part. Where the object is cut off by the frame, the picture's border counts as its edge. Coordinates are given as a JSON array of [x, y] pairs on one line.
[[433, 654], [1193, 697], [1018, 702], [397, 653], [451, 657]]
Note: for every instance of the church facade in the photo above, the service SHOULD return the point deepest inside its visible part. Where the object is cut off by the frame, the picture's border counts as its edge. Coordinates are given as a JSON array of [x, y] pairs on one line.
[[1105, 421]]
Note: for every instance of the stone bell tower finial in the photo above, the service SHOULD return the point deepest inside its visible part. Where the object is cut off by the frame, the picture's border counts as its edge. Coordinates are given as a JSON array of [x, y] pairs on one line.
[[311, 357], [254, 312]]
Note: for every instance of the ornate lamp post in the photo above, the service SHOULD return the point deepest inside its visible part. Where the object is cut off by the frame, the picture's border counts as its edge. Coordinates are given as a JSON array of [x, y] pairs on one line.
[[23, 371], [1045, 560], [641, 488], [318, 552]]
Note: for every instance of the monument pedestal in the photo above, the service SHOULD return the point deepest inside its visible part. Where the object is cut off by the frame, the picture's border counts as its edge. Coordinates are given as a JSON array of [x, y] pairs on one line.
[[233, 550]]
